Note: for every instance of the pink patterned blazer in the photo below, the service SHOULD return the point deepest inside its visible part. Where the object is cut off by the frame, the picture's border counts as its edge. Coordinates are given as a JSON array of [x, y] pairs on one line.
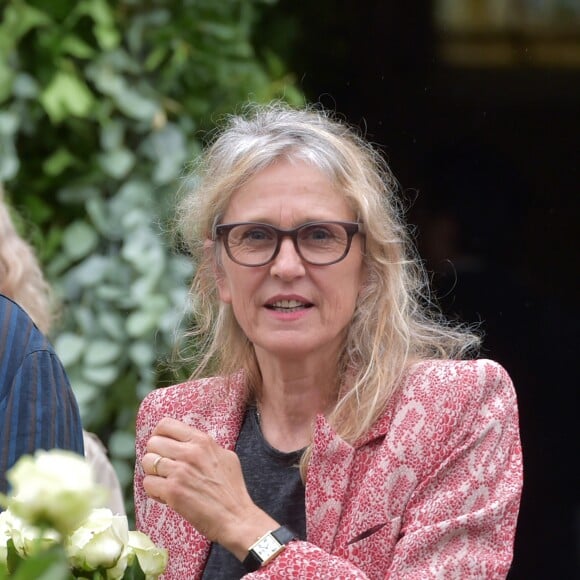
[[432, 491]]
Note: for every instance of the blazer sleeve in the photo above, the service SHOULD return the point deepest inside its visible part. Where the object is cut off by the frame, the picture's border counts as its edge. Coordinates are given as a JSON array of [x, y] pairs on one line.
[[461, 519], [305, 560]]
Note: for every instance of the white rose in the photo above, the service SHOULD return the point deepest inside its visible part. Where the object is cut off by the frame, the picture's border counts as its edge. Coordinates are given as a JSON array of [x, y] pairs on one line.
[[54, 488], [27, 539], [100, 543], [153, 560], [117, 572]]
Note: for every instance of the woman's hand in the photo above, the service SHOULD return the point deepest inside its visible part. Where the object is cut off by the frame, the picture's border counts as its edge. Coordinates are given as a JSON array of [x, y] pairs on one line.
[[187, 470]]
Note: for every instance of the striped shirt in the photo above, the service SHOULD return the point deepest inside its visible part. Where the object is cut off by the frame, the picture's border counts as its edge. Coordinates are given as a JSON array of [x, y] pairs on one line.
[[38, 409]]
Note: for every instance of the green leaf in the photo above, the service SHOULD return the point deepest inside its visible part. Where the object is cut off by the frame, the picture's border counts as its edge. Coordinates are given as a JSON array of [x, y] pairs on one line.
[[117, 163], [156, 57], [58, 265], [38, 209], [85, 392], [142, 353], [9, 162], [9, 123], [113, 324], [134, 572], [102, 352], [97, 211], [77, 194], [106, 79], [79, 239], [58, 162], [65, 95], [135, 194], [141, 323], [168, 148], [136, 106], [49, 564], [19, 18], [101, 376], [106, 34], [25, 86], [125, 469], [43, 568], [12, 557], [112, 293], [75, 46], [224, 32], [122, 444], [6, 79], [69, 347], [112, 134]]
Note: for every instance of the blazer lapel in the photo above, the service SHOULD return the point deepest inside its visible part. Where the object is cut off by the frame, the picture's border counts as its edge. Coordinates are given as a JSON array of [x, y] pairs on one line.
[[326, 484]]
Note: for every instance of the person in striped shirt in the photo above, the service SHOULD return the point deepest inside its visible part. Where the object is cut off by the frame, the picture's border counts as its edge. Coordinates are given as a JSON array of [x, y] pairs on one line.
[[38, 409]]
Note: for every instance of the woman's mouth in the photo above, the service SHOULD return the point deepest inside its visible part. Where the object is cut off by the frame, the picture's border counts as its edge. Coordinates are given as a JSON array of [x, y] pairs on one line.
[[288, 305]]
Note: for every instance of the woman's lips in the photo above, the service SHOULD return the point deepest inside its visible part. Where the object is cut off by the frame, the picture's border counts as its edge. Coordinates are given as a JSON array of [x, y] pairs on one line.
[[288, 305]]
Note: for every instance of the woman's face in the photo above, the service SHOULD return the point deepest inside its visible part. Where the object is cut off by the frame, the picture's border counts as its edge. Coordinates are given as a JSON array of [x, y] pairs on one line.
[[290, 308]]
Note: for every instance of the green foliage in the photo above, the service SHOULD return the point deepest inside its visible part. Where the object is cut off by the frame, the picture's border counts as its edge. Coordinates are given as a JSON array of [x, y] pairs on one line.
[[47, 564], [102, 104]]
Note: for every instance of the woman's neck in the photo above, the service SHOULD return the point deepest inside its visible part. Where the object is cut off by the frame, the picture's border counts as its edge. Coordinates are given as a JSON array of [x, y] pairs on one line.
[[290, 397]]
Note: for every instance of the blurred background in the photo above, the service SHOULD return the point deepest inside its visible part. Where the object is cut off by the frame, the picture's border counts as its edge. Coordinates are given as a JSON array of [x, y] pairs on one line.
[[475, 104]]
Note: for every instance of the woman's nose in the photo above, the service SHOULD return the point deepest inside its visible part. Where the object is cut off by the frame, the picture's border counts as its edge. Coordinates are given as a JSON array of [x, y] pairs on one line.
[[287, 264]]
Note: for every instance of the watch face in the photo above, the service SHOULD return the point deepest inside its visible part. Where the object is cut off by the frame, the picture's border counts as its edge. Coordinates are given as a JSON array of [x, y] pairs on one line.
[[266, 547]]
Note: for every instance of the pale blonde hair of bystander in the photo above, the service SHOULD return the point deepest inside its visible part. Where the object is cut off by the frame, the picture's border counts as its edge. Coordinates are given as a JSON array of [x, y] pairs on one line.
[[21, 277]]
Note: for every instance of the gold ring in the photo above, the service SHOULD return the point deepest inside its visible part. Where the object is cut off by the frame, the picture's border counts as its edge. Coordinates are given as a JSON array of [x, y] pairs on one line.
[[156, 463]]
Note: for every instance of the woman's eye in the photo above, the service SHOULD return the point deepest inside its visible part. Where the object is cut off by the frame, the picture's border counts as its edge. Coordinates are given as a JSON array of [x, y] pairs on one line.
[[318, 234], [257, 235]]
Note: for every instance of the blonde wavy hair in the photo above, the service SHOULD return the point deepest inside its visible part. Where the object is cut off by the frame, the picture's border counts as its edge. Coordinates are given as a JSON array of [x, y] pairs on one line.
[[21, 277], [395, 323]]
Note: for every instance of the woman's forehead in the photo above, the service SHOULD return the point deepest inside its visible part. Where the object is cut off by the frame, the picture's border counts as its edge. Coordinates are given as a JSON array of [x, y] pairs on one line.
[[290, 192]]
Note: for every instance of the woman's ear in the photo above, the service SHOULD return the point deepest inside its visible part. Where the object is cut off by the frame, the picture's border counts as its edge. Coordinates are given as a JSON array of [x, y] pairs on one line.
[[211, 250]]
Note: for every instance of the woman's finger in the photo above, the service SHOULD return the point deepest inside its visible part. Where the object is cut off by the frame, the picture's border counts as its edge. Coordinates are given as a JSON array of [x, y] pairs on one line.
[[174, 429], [155, 464]]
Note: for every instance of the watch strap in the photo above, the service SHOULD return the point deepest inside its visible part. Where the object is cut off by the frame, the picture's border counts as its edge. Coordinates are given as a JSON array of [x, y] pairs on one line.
[[282, 535]]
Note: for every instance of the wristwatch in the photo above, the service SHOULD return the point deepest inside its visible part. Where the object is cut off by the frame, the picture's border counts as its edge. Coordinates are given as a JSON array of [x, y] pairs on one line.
[[267, 548]]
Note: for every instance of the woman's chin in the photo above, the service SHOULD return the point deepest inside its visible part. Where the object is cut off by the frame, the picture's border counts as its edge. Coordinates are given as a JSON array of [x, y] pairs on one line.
[[297, 348]]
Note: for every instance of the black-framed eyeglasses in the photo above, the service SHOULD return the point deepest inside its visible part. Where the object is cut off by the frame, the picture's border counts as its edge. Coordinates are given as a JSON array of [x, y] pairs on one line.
[[317, 243]]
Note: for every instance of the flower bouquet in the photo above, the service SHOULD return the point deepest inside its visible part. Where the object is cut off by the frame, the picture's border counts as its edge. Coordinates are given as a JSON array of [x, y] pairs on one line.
[[54, 529]]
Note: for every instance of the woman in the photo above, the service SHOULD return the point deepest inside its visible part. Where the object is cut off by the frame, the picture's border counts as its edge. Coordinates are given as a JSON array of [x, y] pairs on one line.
[[310, 321]]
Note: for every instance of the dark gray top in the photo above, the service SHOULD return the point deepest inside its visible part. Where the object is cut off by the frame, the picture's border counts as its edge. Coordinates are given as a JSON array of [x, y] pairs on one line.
[[273, 481]]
